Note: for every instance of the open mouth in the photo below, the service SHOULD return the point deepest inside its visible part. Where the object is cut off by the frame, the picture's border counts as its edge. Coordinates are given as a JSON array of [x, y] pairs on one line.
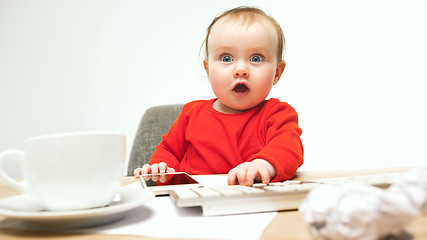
[[240, 90]]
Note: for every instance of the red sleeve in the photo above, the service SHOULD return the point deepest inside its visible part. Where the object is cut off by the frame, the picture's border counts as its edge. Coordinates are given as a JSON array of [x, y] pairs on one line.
[[173, 146], [283, 147]]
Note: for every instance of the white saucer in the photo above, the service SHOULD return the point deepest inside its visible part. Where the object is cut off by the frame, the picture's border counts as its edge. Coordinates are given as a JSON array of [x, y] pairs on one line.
[[130, 198]]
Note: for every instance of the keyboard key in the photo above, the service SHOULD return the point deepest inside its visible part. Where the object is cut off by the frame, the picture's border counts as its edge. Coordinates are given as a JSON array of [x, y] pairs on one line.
[[228, 191], [206, 192], [185, 194], [248, 190]]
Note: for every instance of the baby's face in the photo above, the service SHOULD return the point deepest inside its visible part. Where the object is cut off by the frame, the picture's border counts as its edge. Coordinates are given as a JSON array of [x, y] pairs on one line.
[[242, 65]]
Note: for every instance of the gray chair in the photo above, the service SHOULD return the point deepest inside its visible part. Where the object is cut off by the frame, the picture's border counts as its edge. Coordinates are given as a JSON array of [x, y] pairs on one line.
[[155, 122]]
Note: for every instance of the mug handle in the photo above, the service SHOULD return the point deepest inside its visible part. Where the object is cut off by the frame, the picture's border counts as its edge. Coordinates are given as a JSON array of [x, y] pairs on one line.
[[19, 155]]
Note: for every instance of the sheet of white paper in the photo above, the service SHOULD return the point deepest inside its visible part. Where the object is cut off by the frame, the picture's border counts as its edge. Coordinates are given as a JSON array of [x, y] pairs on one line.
[[161, 218]]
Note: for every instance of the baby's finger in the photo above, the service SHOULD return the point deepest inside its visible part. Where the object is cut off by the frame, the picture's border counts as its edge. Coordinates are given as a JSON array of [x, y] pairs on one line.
[[155, 168], [232, 177], [146, 178], [146, 169], [170, 170], [163, 178], [162, 167], [137, 172], [241, 174], [155, 178], [265, 177], [251, 173]]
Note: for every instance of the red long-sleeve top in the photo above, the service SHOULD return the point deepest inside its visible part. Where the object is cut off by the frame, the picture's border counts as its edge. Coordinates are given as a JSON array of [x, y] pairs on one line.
[[205, 141]]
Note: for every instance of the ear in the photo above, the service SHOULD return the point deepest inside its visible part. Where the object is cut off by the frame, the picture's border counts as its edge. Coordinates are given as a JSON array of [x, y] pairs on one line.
[[206, 66], [279, 70]]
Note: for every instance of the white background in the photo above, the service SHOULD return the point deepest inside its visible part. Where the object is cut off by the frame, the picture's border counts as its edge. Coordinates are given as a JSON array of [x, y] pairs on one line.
[[356, 71]]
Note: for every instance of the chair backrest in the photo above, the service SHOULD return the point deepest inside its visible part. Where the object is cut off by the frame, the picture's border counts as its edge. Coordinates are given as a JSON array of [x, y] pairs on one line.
[[155, 122]]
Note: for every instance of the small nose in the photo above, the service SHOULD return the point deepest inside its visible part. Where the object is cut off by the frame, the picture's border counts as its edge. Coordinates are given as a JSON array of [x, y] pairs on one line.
[[241, 70]]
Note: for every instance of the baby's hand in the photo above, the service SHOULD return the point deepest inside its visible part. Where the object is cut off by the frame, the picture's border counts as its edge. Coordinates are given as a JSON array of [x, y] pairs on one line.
[[246, 173], [154, 168]]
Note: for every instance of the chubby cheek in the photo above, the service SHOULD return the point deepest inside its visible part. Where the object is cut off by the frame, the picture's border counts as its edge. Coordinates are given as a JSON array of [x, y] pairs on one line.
[[218, 81], [217, 87], [264, 91], [264, 82]]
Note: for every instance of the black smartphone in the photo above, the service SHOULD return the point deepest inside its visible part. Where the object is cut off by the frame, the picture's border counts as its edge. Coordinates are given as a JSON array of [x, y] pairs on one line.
[[163, 184]]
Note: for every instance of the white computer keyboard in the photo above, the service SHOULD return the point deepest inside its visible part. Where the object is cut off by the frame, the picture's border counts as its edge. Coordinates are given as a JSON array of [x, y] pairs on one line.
[[288, 195]]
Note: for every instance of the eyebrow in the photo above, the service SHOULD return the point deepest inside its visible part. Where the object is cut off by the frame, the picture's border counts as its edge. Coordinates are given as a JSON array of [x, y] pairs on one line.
[[227, 49], [223, 49]]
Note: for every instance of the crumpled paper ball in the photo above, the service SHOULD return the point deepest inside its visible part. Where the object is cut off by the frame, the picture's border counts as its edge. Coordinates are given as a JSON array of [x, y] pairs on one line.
[[364, 212]]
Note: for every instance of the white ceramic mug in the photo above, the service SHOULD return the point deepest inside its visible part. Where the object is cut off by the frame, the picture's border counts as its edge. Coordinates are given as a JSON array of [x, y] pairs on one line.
[[71, 170]]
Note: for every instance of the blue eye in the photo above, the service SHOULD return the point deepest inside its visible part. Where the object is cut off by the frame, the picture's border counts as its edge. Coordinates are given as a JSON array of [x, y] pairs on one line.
[[256, 59], [226, 58]]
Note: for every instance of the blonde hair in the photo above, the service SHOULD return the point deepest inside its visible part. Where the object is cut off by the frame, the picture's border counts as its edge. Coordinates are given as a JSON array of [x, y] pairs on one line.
[[249, 15]]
